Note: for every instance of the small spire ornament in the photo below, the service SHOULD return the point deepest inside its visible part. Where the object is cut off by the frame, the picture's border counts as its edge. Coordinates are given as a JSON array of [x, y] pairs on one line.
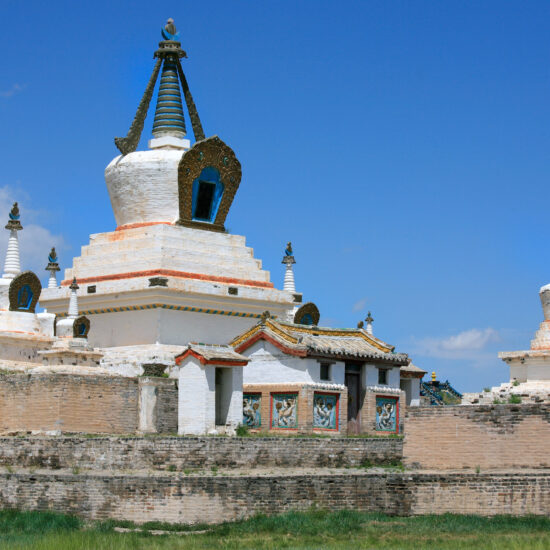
[[12, 265], [53, 268], [73, 300], [288, 259], [369, 320]]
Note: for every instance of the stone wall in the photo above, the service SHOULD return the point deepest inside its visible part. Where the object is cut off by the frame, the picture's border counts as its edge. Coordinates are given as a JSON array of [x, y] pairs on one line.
[[208, 498], [488, 436], [70, 403], [179, 453]]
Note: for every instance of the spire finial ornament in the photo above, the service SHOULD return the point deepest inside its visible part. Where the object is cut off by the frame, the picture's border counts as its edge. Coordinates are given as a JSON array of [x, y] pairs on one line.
[[369, 320], [73, 300], [53, 268], [169, 31], [12, 265], [169, 119]]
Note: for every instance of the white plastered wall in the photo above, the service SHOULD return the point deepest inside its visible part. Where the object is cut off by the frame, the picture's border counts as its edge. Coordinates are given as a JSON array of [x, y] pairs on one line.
[[196, 397], [370, 376], [270, 365], [128, 328], [531, 369]]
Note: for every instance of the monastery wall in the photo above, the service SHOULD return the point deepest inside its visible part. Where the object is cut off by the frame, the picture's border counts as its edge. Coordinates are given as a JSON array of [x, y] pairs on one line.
[[487, 436], [209, 498], [51, 402], [179, 453]]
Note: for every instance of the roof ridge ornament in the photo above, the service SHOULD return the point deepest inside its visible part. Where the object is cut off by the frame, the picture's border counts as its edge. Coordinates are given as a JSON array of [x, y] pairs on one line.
[[169, 53]]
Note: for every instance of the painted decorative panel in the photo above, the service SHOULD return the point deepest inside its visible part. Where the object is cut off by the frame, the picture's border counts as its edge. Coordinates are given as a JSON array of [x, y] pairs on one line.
[[387, 414], [325, 411], [284, 410], [252, 410]]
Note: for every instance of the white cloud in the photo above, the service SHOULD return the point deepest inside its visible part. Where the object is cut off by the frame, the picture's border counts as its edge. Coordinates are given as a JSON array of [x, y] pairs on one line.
[[15, 89], [35, 241], [360, 304], [465, 345]]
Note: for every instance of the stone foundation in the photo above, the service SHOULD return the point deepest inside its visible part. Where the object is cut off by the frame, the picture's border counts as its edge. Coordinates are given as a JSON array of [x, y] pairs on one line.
[[179, 453], [209, 499]]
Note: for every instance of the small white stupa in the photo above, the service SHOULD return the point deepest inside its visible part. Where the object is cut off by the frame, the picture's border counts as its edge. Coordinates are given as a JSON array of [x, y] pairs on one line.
[[530, 369]]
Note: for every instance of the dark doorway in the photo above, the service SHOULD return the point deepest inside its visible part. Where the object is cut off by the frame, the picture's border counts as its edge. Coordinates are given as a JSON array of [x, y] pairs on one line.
[[353, 383]]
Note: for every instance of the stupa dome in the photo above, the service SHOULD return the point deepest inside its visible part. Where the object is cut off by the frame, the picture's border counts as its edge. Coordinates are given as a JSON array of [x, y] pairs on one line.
[[143, 186]]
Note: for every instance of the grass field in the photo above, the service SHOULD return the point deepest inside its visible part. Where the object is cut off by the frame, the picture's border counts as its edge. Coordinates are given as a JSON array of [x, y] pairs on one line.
[[311, 530]]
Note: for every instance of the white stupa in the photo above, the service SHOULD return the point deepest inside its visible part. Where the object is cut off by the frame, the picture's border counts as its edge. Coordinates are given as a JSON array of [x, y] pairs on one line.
[[169, 274]]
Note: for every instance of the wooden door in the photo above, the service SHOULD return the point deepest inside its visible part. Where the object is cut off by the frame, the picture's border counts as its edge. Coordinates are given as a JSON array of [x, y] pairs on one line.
[[354, 393]]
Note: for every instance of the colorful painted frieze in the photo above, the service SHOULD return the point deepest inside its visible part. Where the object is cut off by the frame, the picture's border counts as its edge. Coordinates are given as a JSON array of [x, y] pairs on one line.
[[325, 411], [252, 410], [387, 414], [284, 410]]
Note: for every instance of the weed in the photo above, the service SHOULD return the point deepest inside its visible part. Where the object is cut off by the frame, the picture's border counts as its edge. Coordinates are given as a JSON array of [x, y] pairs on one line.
[[515, 383], [514, 399], [75, 470], [171, 468], [242, 431], [478, 469], [214, 470], [497, 401], [486, 390]]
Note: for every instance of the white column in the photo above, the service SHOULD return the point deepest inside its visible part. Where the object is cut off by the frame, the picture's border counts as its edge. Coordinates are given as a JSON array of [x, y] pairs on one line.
[[73, 300], [289, 284], [12, 265]]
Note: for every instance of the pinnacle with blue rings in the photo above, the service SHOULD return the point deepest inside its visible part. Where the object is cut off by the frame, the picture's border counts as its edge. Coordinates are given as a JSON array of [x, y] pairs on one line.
[[169, 119]]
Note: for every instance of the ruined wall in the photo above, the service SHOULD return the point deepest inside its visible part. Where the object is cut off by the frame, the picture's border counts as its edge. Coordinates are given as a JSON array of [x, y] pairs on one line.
[[67, 402], [207, 498], [487, 436], [179, 453]]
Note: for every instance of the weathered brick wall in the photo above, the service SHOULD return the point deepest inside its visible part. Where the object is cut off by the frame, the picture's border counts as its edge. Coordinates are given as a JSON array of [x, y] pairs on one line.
[[488, 436], [192, 499], [162, 453], [68, 402], [167, 407]]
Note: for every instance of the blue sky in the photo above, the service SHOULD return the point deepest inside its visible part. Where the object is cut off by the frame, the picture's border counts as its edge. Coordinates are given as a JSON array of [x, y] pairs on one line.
[[401, 146]]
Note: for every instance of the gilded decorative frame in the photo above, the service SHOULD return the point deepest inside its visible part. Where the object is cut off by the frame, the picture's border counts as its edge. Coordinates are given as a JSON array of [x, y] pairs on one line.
[[82, 320], [309, 308], [25, 278], [208, 152]]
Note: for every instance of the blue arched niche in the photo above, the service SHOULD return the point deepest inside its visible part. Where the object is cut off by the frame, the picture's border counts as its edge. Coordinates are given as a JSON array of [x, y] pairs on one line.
[[207, 194]]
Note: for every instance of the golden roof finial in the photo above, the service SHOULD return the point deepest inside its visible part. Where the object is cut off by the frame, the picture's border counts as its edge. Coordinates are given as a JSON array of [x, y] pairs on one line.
[[433, 376]]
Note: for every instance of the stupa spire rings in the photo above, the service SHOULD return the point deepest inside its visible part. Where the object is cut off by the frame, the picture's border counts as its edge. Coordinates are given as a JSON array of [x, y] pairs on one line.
[[53, 268], [169, 116], [288, 259], [12, 265]]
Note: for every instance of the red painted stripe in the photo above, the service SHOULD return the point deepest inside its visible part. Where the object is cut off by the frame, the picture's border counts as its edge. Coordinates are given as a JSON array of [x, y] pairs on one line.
[[143, 224], [169, 273]]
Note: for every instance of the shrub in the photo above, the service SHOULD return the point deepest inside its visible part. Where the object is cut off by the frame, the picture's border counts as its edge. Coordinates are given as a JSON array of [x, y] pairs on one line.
[[514, 399], [497, 401], [486, 390]]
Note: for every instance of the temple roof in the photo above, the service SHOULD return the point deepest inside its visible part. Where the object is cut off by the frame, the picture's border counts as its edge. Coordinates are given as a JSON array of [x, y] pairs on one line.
[[412, 371], [212, 354], [305, 340]]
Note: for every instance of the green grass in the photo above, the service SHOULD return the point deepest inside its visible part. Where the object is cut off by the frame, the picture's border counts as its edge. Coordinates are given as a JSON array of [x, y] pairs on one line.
[[297, 530]]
